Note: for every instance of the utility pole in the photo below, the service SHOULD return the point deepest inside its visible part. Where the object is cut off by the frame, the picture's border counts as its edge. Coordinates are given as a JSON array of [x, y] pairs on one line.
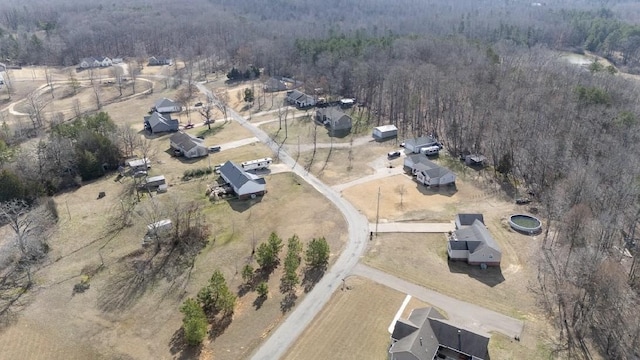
[[378, 212]]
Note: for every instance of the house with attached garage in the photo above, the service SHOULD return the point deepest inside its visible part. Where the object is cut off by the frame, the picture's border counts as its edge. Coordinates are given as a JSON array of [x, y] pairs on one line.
[[338, 123], [427, 335], [244, 184], [427, 172], [187, 145], [159, 61], [159, 122], [300, 99], [94, 62], [417, 144], [475, 245], [165, 105]]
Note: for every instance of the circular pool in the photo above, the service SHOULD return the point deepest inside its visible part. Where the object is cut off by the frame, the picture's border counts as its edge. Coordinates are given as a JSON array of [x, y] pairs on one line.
[[525, 223]]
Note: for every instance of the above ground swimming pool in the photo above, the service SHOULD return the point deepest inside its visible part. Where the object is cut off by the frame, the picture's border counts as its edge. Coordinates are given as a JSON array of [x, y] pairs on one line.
[[525, 223]]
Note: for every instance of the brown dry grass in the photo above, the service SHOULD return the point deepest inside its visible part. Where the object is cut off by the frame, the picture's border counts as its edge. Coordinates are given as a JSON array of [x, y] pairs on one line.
[[352, 325], [143, 327]]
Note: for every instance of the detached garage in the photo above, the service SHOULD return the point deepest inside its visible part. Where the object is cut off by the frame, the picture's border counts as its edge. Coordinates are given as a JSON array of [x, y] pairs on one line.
[[385, 132]]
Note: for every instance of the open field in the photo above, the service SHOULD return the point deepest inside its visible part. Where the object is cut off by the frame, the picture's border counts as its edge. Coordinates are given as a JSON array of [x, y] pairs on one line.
[[142, 326], [352, 325]]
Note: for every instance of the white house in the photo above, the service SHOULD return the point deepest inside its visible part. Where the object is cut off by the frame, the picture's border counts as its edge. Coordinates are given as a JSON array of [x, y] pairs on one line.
[[244, 184], [189, 146], [475, 245], [165, 105], [93, 62]]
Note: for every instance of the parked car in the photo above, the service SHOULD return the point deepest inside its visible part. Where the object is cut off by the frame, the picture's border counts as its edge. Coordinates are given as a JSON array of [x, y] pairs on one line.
[[189, 126], [210, 121], [199, 103], [213, 149], [393, 154], [401, 145], [523, 201]]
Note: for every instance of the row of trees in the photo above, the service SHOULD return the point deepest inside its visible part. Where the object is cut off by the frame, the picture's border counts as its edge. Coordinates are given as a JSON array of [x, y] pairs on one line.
[[215, 302]]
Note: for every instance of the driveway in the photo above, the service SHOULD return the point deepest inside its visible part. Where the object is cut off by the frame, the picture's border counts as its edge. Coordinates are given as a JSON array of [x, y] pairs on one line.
[[408, 227], [467, 315], [292, 327]]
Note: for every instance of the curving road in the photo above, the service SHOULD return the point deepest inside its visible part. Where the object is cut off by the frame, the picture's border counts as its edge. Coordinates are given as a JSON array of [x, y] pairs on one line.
[[289, 330]]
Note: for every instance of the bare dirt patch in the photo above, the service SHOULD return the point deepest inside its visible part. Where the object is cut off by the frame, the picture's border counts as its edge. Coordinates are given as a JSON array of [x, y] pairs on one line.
[[352, 325]]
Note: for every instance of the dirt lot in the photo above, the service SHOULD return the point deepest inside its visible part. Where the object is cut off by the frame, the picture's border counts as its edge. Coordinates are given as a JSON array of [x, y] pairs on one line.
[[343, 329]]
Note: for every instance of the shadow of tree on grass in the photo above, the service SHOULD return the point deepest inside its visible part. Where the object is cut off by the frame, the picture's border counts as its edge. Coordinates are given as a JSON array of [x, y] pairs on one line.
[[180, 349], [311, 278]]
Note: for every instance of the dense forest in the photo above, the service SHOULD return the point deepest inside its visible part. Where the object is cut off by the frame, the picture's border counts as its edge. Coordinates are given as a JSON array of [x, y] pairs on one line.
[[484, 76]]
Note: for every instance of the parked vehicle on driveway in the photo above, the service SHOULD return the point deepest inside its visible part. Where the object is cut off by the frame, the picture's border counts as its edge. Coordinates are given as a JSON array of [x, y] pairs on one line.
[[393, 154], [189, 126], [198, 104], [213, 149]]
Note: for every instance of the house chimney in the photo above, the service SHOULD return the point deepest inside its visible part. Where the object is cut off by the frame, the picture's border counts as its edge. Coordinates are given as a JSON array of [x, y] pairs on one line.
[[420, 340], [459, 340]]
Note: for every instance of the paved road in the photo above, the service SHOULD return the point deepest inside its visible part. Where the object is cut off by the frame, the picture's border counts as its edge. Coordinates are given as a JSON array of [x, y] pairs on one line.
[[407, 227], [288, 331], [467, 315]]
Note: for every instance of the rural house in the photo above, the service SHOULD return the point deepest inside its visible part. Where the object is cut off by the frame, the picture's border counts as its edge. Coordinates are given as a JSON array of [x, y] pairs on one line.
[[338, 123], [244, 184], [384, 132], [275, 84], [187, 145], [94, 62], [464, 220], [300, 99], [165, 105], [417, 144], [427, 172], [427, 335], [159, 61], [158, 123], [475, 245]]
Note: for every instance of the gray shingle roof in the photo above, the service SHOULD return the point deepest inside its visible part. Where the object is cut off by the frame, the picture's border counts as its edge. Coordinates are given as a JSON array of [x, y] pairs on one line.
[[431, 331], [421, 141], [476, 236], [236, 177], [468, 219], [164, 102], [338, 120], [185, 141], [157, 118]]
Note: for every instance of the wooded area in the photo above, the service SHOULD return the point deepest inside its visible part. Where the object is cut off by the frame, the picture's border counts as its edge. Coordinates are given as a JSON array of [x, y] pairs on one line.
[[484, 77]]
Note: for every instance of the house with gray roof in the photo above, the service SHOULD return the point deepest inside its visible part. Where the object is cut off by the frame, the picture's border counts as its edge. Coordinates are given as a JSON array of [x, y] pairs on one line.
[[464, 220], [93, 62], [274, 85], [427, 172], [244, 184], [475, 245], [159, 122], [337, 122], [188, 145], [427, 335], [165, 105], [419, 143], [159, 61], [300, 99]]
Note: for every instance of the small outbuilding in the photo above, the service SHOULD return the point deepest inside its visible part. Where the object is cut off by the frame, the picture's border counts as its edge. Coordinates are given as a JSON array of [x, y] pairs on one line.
[[475, 245], [417, 144], [188, 145], [244, 184], [384, 132]]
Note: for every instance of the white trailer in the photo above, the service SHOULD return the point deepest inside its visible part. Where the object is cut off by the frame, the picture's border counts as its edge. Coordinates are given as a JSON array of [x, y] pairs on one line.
[[156, 230], [257, 164]]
